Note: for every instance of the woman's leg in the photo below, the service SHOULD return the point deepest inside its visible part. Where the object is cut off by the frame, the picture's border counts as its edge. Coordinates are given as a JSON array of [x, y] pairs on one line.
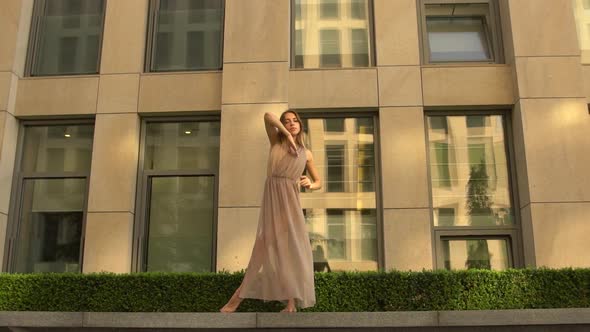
[[290, 306], [233, 303]]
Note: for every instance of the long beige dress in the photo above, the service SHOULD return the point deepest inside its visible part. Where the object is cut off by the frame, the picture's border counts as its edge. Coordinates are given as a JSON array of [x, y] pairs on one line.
[[281, 265]]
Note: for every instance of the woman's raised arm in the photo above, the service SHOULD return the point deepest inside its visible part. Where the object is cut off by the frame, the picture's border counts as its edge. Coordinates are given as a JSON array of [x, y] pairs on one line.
[[273, 126]]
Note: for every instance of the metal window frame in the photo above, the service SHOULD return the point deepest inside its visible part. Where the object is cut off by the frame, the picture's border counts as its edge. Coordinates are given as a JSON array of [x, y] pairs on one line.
[[31, 63], [142, 198], [322, 113], [18, 180], [513, 232], [371, 40], [494, 26], [152, 30], [483, 235]]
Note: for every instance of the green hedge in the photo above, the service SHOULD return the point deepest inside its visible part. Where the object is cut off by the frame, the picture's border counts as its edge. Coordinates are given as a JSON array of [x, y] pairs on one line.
[[350, 291]]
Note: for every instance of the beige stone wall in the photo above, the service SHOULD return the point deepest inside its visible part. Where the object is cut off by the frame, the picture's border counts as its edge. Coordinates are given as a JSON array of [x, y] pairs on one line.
[[11, 38], [254, 82], [542, 80], [551, 123]]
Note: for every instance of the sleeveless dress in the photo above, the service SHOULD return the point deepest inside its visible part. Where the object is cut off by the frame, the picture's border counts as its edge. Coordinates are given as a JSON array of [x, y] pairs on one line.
[[281, 265]]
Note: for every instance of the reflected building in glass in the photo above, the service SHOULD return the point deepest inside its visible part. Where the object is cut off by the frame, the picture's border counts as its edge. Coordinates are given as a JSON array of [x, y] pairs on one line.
[[342, 215], [332, 33], [471, 188]]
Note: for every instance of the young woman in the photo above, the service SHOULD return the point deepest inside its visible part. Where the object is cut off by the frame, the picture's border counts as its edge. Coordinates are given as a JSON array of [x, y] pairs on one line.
[[281, 265]]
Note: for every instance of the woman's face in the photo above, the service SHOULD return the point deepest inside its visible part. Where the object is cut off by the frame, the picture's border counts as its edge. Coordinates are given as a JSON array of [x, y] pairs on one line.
[[292, 124]]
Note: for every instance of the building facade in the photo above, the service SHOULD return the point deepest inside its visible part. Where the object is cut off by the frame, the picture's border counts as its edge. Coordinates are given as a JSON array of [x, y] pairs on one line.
[[448, 134]]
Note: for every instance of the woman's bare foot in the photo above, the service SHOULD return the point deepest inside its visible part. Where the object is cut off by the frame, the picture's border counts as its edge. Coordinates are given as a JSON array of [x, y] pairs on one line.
[[233, 303], [290, 306]]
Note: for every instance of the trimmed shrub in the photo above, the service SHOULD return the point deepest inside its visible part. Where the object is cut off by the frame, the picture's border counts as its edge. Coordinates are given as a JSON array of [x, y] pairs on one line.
[[338, 291]]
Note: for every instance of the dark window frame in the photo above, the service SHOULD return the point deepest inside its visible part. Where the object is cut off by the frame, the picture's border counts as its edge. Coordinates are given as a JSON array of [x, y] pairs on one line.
[[509, 236], [150, 49], [18, 180], [494, 35], [39, 9], [512, 232], [142, 197]]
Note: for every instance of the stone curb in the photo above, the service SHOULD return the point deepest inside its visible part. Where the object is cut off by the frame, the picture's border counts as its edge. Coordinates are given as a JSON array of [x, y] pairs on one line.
[[575, 316]]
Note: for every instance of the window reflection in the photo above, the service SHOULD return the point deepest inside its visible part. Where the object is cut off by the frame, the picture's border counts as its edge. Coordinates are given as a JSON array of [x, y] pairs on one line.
[[181, 219], [57, 148], [582, 16], [188, 35], [182, 145], [182, 159], [469, 171], [341, 217], [331, 33], [69, 37], [490, 254], [50, 228]]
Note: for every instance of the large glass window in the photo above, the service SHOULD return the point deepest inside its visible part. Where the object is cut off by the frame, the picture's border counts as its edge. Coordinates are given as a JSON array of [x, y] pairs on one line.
[[50, 198], [342, 217], [65, 37], [460, 31], [582, 16], [473, 209], [331, 33], [185, 35], [176, 226], [476, 253]]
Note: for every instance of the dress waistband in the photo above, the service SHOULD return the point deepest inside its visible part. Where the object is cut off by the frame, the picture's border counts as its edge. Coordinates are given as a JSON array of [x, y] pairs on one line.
[[282, 177]]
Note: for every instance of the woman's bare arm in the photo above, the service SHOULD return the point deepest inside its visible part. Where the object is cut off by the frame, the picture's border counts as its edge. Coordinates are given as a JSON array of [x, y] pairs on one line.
[[313, 172], [273, 126]]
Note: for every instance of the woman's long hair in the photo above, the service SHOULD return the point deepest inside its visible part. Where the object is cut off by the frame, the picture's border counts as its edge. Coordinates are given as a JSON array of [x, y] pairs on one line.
[[300, 137]]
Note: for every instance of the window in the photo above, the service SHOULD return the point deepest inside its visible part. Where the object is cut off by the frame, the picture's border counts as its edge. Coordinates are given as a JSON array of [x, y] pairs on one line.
[[49, 208], [331, 33], [459, 31], [65, 37], [342, 217], [476, 253], [582, 16], [185, 35], [177, 199], [472, 201]]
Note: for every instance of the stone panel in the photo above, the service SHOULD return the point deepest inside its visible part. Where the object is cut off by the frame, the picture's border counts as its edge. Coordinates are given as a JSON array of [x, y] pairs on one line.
[[333, 88]]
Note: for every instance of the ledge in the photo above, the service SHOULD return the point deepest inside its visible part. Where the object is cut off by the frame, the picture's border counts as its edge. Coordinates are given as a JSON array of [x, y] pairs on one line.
[[169, 320]]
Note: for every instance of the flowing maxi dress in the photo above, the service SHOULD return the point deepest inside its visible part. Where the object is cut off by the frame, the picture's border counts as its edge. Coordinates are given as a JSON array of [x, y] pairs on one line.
[[281, 265]]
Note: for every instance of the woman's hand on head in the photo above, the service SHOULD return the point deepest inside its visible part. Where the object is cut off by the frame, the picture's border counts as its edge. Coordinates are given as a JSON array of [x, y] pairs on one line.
[[305, 182]]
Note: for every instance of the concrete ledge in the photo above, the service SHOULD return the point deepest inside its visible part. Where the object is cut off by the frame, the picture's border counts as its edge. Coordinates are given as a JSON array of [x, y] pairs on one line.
[[515, 317], [205, 320], [169, 320], [41, 319], [347, 319]]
